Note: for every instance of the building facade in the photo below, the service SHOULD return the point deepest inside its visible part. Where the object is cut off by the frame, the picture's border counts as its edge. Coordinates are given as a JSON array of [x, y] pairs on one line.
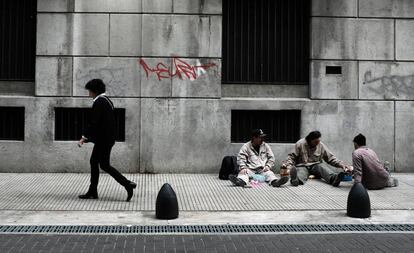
[[184, 76]]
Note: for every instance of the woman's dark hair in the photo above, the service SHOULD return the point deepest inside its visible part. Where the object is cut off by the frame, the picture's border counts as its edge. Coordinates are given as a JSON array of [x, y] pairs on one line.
[[360, 140], [95, 85], [313, 135]]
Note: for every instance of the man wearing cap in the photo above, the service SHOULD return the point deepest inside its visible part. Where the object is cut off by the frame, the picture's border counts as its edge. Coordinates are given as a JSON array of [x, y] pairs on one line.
[[312, 157], [368, 169], [256, 157]]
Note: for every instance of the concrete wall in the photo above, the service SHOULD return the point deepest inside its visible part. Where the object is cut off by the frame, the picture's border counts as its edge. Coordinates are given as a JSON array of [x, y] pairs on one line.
[[372, 40], [193, 134], [161, 60]]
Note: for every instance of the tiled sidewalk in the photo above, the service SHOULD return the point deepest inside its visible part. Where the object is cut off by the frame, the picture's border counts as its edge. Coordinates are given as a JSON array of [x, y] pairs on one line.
[[195, 192]]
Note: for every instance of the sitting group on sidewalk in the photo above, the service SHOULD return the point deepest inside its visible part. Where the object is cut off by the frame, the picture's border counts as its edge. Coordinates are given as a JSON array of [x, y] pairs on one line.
[[310, 157]]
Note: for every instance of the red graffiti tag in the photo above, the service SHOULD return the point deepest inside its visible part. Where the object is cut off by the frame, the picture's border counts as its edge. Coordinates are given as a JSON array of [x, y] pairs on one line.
[[180, 69]]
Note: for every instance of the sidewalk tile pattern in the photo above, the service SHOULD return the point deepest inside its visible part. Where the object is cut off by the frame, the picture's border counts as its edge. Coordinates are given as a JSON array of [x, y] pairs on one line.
[[195, 192]]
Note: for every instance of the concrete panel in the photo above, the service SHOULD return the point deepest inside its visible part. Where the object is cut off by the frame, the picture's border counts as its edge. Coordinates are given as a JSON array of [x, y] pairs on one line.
[[55, 5], [404, 39], [169, 121], [157, 6], [125, 34], [264, 91], [335, 8], [404, 139], [54, 76], [197, 6], [334, 86], [191, 135], [40, 153], [386, 8], [340, 121], [181, 35], [121, 75], [214, 36], [108, 6], [196, 78], [17, 88], [182, 6], [54, 34], [91, 34], [386, 80], [370, 39], [155, 80]]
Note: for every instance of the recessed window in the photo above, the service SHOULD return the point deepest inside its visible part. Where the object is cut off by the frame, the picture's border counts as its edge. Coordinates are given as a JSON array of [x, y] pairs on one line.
[[12, 123], [281, 126], [266, 42], [333, 70], [71, 122]]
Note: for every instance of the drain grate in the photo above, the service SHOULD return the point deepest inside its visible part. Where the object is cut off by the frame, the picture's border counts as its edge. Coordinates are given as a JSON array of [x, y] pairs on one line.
[[207, 229]]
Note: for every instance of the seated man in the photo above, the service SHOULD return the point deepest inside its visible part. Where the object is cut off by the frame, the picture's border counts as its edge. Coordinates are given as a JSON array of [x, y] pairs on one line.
[[307, 159], [368, 169], [256, 157]]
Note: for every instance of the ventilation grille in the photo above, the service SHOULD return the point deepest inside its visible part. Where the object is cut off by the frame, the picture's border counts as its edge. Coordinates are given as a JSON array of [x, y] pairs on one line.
[[17, 40], [12, 123], [280, 126], [266, 41], [70, 123]]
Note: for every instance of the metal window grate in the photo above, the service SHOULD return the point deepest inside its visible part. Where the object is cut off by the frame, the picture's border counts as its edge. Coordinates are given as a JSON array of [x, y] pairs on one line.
[[70, 123], [12, 123], [206, 229], [266, 41], [281, 126], [17, 40]]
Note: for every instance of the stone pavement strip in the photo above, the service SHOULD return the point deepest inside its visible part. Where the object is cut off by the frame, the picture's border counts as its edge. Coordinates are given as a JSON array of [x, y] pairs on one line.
[[209, 243]]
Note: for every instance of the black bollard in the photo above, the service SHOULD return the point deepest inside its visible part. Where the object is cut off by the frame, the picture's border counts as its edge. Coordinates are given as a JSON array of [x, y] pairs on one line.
[[359, 205], [166, 206]]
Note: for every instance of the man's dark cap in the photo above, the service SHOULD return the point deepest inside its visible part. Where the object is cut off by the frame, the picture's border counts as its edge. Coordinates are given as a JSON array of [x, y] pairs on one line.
[[258, 133]]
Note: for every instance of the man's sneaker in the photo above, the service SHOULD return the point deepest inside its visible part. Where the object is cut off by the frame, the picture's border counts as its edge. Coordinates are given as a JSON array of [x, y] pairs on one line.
[[279, 182], [236, 181], [395, 182], [294, 176], [392, 182], [338, 178], [387, 167]]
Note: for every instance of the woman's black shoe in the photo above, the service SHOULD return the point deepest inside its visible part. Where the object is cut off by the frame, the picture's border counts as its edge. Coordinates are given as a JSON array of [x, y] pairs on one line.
[[130, 190], [89, 195]]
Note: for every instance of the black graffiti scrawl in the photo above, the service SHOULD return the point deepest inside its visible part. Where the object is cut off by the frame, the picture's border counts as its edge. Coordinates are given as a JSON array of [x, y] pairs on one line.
[[390, 86]]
